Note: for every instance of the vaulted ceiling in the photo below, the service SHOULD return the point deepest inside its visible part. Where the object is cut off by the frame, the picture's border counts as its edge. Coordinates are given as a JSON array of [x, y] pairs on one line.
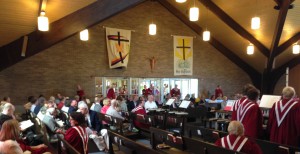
[[228, 22]]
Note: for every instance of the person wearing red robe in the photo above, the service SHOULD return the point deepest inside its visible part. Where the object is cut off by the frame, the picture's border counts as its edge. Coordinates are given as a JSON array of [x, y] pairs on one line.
[[77, 135], [250, 115], [80, 92], [218, 92], [284, 119], [175, 92], [140, 110], [146, 91], [111, 93], [237, 141], [241, 100]]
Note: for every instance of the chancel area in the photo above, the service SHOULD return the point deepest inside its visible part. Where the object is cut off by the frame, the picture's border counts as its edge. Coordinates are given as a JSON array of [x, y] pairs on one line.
[[149, 76]]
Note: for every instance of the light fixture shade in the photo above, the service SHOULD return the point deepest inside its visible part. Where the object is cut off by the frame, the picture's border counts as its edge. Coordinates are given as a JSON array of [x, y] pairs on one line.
[[206, 35], [152, 29], [194, 14], [84, 35], [43, 22], [296, 49], [250, 49], [255, 23], [180, 1]]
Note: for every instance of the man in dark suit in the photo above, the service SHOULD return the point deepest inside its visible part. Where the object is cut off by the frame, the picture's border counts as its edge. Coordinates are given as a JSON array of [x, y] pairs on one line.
[[91, 117], [132, 103], [73, 107]]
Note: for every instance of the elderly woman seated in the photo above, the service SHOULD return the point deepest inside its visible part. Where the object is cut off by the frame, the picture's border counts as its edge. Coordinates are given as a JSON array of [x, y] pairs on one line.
[[237, 141]]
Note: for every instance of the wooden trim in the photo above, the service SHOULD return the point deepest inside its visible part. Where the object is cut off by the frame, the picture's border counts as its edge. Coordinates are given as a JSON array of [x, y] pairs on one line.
[[278, 31], [235, 26], [63, 28], [287, 44]]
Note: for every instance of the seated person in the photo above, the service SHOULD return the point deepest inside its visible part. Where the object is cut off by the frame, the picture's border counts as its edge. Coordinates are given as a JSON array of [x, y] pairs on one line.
[[150, 104], [140, 110], [50, 122], [77, 135], [11, 131], [7, 113], [42, 112], [91, 117], [73, 106], [237, 141], [114, 109]]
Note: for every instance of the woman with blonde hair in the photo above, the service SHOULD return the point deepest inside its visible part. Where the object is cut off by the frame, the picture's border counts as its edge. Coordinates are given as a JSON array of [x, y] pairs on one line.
[[11, 131]]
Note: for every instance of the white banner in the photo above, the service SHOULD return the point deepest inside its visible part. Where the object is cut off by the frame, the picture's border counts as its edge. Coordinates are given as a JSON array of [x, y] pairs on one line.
[[183, 55], [118, 47]]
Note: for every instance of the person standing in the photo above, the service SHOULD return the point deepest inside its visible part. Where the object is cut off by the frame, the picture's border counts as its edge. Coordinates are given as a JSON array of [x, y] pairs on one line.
[[111, 92], [284, 120], [175, 92], [250, 115], [218, 92]]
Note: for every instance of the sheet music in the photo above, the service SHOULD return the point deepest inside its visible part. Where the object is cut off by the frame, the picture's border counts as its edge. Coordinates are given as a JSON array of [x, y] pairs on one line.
[[170, 101], [229, 105], [267, 101], [185, 104], [26, 124]]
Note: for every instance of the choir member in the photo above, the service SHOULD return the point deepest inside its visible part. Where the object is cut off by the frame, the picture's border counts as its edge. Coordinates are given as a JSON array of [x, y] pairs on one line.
[[284, 120], [250, 115], [175, 92], [237, 141], [77, 135]]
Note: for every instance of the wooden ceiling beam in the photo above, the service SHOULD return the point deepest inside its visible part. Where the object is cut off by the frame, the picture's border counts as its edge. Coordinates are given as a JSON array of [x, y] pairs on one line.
[[277, 33], [63, 28], [254, 74], [287, 44], [235, 26]]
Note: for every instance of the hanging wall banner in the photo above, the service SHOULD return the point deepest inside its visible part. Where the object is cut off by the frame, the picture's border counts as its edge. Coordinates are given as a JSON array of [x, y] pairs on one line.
[[118, 47], [183, 55]]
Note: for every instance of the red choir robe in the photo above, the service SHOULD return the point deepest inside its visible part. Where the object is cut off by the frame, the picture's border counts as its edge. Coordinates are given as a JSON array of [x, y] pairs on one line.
[[146, 92], [174, 92], [237, 105], [218, 91], [250, 115], [25, 147], [142, 111], [80, 93], [238, 143], [111, 94], [78, 138], [284, 122]]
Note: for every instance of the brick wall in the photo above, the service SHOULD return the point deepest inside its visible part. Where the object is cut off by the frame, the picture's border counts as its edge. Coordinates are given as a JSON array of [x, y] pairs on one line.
[[293, 81], [61, 67]]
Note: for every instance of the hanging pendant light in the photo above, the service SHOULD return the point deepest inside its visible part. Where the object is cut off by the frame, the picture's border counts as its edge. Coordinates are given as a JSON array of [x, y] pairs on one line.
[[152, 29], [296, 48], [194, 13], [250, 49], [206, 35], [180, 1], [84, 35], [255, 23], [43, 22]]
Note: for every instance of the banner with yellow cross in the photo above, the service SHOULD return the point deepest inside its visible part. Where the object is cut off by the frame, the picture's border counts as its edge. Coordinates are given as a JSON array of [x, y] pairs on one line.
[[183, 55]]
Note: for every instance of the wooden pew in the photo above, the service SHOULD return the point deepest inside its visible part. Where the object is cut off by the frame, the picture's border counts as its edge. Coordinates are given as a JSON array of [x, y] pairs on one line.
[[206, 134], [66, 148], [127, 145], [159, 136], [200, 147]]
